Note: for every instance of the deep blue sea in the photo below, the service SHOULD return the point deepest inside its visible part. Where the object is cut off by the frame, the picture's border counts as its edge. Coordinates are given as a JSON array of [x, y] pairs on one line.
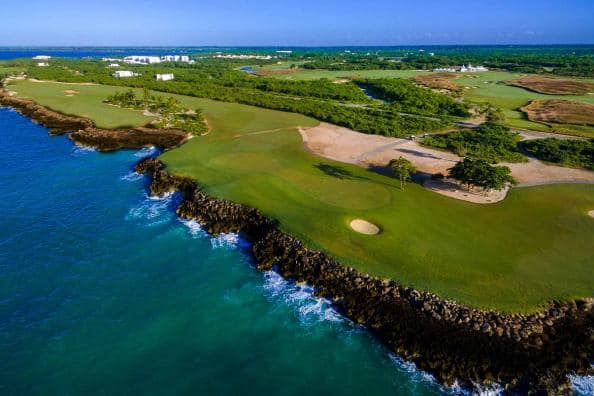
[[103, 290]]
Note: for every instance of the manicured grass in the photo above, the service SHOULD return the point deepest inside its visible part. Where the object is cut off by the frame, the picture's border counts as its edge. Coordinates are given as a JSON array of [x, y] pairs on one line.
[[88, 102], [490, 87], [304, 74], [516, 255]]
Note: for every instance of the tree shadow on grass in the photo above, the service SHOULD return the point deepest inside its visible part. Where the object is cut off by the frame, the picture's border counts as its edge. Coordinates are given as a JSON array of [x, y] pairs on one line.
[[336, 171]]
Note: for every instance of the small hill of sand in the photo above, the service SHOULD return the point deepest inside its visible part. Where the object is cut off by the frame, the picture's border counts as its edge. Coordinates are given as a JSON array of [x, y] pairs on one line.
[[364, 227]]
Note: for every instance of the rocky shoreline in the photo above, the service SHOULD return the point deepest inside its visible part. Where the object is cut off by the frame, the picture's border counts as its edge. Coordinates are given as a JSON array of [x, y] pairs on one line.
[[83, 131], [525, 353]]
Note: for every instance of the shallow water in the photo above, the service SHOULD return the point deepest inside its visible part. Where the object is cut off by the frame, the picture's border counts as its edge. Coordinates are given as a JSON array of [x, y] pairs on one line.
[[103, 290]]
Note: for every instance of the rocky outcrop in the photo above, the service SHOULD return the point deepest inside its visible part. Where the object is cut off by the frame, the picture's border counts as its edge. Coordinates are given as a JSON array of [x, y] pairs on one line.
[[84, 132], [525, 353]]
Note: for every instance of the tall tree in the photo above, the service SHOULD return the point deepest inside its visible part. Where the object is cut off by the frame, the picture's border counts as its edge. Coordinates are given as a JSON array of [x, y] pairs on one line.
[[403, 169]]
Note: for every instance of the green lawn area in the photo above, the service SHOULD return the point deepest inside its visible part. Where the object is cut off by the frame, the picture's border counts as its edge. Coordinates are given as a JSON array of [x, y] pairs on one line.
[[304, 74], [490, 87], [516, 255], [88, 102]]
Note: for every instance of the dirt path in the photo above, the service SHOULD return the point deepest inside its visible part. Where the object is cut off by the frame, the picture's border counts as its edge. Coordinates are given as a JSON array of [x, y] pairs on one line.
[[346, 145]]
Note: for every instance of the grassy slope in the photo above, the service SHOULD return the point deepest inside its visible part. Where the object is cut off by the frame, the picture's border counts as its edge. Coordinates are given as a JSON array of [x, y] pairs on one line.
[[513, 256]]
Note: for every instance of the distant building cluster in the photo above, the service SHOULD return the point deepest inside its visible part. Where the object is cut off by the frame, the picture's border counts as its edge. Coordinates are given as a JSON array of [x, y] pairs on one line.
[[242, 56], [462, 69], [149, 60], [42, 57]]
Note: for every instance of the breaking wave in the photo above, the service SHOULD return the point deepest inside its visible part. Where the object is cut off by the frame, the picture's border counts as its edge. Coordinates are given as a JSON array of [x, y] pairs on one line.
[[146, 152], [582, 384], [300, 297], [152, 210]]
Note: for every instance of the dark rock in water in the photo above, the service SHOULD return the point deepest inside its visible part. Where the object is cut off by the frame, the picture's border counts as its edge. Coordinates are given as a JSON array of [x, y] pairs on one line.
[[525, 353], [83, 131]]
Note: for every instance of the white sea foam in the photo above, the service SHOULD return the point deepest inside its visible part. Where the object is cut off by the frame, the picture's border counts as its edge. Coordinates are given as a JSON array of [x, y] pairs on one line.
[[153, 210], [79, 150], [229, 240], [583, 384], [132, 176], [194, 227], [146, 152], [300, 296], [165, 197]]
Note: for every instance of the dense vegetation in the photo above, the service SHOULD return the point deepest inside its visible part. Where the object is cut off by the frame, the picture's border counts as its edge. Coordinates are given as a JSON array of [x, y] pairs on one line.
[[171, 113], [480, 173], [561, 60], [491, 142], [320, 99], [573, 153], [403, 95]]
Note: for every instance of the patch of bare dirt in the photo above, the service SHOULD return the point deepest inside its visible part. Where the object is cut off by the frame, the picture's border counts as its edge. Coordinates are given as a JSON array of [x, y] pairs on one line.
[[553, 86], [439, 81], [560, 111], [345, 145]]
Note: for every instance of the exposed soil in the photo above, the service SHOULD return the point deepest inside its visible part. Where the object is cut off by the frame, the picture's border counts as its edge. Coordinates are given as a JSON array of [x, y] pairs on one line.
[[439, 81], [553, 86], [560, 111], [346, 145]]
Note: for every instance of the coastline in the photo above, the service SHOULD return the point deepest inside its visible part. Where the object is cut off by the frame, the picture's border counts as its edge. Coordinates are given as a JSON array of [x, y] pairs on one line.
[[523, 352]]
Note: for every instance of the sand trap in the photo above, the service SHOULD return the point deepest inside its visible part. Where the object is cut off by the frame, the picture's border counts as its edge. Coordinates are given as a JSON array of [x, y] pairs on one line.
[[364, 227], [70, 92], [591, 214]]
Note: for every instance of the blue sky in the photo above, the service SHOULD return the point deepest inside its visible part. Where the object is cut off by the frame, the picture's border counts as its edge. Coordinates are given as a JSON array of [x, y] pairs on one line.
[[295, 22]]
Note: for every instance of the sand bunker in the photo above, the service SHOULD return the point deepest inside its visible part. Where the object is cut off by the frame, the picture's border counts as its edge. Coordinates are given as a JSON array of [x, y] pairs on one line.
[[591, 214], [70, 92], [364, 227]]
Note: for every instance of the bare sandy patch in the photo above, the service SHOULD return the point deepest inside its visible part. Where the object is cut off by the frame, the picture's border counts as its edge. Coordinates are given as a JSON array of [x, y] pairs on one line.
[[453, 189], [345, 145], [70, 92], [591, 213], [364, 227]]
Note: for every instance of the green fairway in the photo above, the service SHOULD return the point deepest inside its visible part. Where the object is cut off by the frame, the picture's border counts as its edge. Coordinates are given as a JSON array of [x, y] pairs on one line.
[[305, 74], [516, 255], [490, 87], [87, 102]]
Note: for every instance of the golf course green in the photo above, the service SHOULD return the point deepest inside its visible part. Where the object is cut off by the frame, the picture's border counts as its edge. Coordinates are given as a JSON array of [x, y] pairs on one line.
[[513, 256]]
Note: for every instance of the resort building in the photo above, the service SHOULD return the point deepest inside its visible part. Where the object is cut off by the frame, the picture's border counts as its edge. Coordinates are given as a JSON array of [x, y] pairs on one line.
[[42, 64], [114, 65], [142, 60], [445, 70], [149, 60], [124, 74], [472, 69], [164, 77], [42, 57]]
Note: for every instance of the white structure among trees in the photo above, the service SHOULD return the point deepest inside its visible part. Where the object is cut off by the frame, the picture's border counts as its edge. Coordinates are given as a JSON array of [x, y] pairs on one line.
[[124, 74], [164, 77]]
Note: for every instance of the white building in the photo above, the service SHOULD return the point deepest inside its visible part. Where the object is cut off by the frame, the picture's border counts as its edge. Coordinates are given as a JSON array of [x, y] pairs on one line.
[[445, 70], [42, 57], [124, 74], [42, 64], [114, 65], [472, 69], [142, 60], [164, 77], [175, 58]]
